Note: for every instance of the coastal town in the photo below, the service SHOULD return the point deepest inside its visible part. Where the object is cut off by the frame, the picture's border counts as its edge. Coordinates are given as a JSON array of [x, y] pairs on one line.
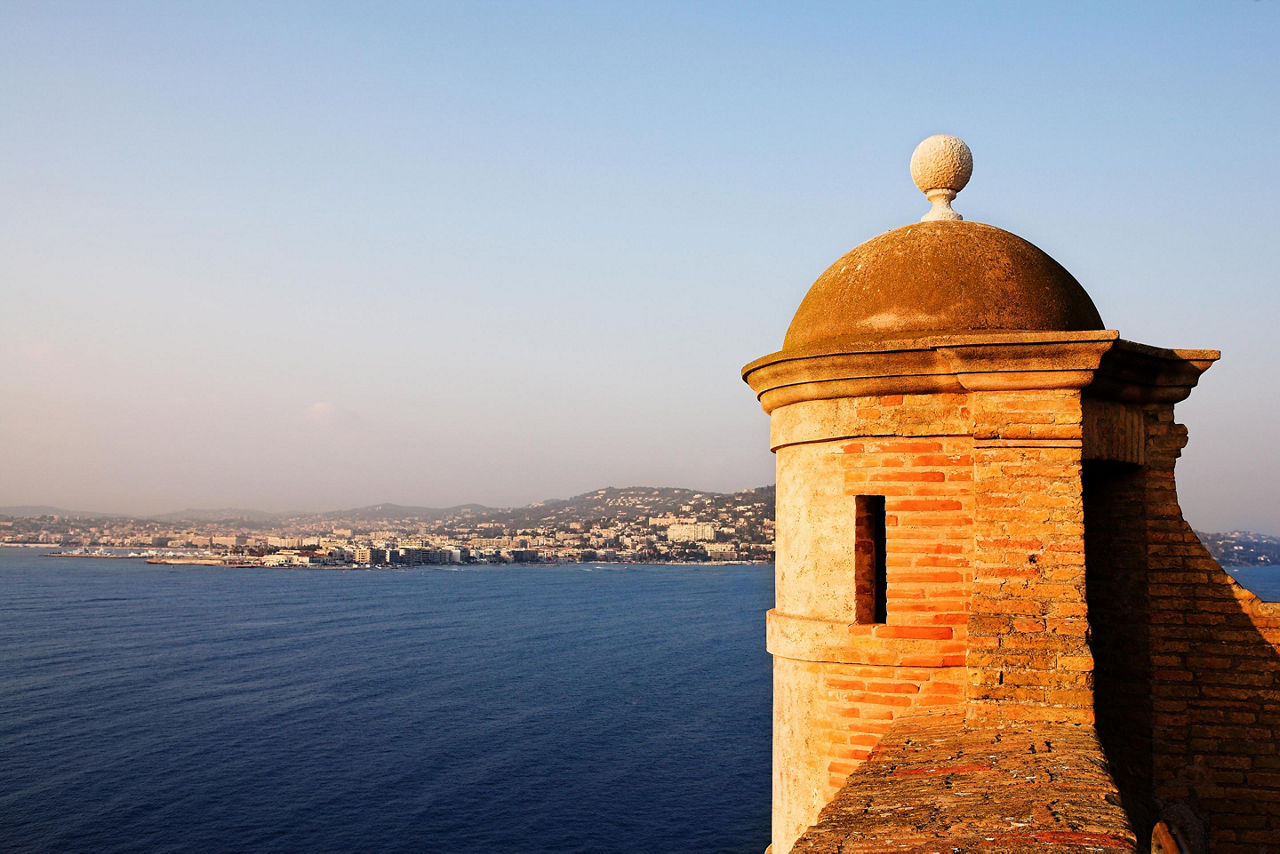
[[633, 525]]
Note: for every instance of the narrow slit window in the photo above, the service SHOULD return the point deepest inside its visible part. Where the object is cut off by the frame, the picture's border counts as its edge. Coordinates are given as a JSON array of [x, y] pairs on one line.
[[870, 580]]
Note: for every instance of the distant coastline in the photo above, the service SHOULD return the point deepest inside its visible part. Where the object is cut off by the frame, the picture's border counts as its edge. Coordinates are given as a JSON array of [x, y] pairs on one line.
[[174, 559], [640, 525]]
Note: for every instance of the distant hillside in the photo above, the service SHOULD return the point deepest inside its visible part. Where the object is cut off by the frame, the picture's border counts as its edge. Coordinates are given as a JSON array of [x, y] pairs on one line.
[[629, 504], [221, 514], [1242, 548], [32, 511], [392, 513], [611, 503]]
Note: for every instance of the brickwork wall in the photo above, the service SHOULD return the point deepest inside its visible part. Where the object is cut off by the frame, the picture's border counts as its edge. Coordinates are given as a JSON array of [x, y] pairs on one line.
[[1215, 656], [1029, 657], [844, 709]]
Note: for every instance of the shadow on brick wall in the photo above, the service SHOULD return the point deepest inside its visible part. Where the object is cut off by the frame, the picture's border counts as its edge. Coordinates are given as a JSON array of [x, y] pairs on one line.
[[1187, 664]]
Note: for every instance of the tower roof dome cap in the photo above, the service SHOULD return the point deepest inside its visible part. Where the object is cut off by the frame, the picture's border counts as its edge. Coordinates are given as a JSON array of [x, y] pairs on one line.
[[942, 275]]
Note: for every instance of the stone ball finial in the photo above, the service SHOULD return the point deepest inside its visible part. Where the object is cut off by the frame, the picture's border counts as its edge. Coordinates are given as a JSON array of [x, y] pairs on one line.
[[941, 166]]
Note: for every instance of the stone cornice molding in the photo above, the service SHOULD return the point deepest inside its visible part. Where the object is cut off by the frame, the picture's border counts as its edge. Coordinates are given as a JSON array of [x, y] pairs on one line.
[[1138, 373], [1099, 361]]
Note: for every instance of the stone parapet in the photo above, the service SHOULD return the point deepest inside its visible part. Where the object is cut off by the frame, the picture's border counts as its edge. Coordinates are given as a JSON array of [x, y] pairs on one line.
[[937, 783]]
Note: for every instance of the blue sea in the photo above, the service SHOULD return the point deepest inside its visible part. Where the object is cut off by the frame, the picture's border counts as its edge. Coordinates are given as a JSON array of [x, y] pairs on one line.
[[1263, 581], [523, 709]]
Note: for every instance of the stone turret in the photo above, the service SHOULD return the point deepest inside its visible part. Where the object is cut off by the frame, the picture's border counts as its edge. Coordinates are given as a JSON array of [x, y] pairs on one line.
[[968, 464]]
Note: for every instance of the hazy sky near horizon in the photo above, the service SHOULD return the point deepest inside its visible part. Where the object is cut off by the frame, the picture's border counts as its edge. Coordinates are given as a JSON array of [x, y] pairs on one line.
[[319, 255]]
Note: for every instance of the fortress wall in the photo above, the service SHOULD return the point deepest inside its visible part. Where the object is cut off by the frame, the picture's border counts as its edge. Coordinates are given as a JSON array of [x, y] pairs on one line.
[[1215, 658], [1199, 748]]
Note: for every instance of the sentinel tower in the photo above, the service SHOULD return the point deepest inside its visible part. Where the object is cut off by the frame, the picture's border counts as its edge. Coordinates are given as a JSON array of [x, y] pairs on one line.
[[976, 520]]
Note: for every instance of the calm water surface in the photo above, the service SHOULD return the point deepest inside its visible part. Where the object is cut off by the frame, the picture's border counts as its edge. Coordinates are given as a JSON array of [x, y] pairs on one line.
[[556, 709], [1263, 581]]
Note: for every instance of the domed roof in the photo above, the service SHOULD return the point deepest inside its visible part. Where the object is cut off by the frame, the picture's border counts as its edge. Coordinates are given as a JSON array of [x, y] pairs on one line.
[[942, 276]]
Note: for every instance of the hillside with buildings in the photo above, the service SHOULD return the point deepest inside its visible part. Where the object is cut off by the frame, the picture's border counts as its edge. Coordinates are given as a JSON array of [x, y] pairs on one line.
[[1242, 548], [635, 524]]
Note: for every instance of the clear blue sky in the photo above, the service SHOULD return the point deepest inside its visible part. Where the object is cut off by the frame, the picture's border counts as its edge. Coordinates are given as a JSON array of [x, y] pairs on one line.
[[312, 255]]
